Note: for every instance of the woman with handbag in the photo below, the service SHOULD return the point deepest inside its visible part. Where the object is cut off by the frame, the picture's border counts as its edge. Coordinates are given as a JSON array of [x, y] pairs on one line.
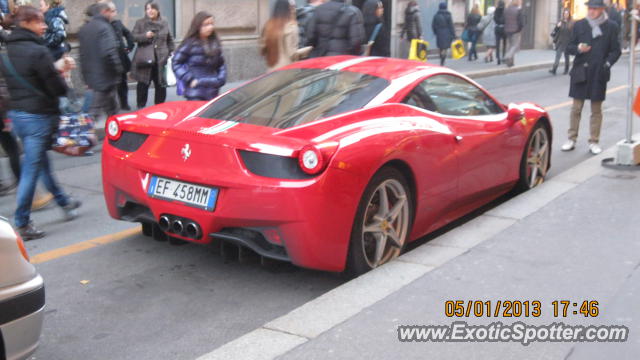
[[561, 35], [280, 35], [155, 44], [34, 86], [198, 63]]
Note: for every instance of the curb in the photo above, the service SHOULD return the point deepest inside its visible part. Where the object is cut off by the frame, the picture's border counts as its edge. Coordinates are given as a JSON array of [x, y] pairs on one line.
[[303, 324]]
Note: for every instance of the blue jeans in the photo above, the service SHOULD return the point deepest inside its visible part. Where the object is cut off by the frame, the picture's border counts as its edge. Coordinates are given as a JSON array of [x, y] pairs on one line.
[[35, 131]]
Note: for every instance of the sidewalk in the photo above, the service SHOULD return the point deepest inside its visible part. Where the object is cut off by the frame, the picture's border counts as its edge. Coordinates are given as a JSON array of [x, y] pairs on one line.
[[573, 238]]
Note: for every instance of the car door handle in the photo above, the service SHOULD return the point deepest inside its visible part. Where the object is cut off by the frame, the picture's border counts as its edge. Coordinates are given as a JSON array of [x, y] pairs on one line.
[[459, 138]]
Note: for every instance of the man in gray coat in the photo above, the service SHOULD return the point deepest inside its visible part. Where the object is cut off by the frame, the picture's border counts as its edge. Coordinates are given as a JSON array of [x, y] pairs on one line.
[[99, 59], [513, 24]]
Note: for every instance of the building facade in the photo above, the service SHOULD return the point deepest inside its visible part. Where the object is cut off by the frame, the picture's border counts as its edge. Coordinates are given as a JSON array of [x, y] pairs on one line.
[[239, 22]]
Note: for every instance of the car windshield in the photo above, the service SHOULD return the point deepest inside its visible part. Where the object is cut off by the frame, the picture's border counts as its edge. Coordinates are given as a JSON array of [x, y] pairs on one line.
[[293, 97]]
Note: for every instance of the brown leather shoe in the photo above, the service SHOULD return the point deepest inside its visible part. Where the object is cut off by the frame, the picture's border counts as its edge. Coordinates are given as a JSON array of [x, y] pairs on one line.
[[30, 232]]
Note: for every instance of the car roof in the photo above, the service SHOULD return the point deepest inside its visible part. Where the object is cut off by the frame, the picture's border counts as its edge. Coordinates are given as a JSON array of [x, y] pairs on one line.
[[382, 67]]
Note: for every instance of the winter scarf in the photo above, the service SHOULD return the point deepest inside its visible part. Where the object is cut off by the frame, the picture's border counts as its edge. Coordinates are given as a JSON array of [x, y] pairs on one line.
[[595, 24]]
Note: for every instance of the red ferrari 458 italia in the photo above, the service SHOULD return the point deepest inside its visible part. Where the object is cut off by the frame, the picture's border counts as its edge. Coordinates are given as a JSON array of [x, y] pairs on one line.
[[332, 163]]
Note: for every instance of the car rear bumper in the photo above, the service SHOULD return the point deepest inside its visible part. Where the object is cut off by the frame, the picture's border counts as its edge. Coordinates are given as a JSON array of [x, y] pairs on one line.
[[21, 317], [307, 222]]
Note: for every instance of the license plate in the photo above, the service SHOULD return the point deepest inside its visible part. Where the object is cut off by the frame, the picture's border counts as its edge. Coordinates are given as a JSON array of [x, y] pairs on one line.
[[189, 194]]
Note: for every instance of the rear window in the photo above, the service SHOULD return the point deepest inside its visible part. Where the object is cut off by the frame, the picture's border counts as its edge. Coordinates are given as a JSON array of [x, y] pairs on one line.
[[293, 97]]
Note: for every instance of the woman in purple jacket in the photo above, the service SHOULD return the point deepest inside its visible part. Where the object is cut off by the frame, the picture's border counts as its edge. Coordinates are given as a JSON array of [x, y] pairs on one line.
[[198, 63]]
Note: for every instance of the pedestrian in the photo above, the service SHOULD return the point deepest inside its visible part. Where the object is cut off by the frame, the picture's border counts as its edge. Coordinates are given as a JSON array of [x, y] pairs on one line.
[[155, 44], [488, 28], [10, 146], [412, 28], [303, 15], [125, 46], [375, 29], [56, 18], [7, 140], [279, 40], [442, 26], [513, 25], [198, 63], [4, 7], [337, 28], [594, 42], [501, 36], [561, 35], [471, 26], [100, 60], [34, 86], [613, 14]]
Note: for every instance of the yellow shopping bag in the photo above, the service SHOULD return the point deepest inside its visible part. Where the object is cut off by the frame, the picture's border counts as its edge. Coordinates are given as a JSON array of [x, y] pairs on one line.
[[457, 49], [418, 50]]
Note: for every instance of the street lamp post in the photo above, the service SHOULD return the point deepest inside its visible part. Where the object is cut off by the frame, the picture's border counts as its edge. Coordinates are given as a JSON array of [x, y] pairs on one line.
[[628, 149]]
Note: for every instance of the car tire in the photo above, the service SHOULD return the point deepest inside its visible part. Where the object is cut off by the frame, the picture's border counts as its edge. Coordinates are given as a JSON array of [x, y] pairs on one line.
[[378, 227], [147, 229], [536, 157]]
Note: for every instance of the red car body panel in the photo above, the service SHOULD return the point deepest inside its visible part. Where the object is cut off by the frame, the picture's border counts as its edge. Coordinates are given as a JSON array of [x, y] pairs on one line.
[[454, 165]]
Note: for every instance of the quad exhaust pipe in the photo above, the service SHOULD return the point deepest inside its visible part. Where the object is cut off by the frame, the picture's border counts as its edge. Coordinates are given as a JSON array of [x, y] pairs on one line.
[[164, 223], [193, 230], [180, 226], [177, 227]]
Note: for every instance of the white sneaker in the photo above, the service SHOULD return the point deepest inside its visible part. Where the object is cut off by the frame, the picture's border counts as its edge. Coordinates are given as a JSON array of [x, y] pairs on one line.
[[595, 149], [568, 146]]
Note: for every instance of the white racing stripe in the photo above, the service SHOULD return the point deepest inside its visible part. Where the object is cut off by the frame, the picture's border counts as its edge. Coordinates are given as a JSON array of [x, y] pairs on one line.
[[346, 64], [223, 126]]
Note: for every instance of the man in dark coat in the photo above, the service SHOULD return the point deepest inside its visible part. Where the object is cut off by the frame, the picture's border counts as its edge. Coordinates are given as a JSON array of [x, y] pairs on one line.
[[337, 28], [100, 60], [123, 34], [442, 26], [303, 15], [594, 42]]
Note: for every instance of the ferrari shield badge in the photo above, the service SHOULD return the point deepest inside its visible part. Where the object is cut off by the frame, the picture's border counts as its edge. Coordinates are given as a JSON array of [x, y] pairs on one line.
[[186, 152]]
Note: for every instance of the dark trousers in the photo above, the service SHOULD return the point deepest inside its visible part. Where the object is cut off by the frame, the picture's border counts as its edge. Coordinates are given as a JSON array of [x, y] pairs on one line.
[[443, 56], [501, 40], [473, 39], [103, 102], [142, 91], [10, 147], [567, 62], [123, 92]]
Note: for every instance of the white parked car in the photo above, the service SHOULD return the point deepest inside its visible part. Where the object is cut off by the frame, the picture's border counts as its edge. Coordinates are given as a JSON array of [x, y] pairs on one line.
[[21, 297]]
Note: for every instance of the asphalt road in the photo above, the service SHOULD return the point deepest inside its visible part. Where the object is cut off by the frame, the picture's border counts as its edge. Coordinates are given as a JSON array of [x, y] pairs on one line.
[[142, 299]]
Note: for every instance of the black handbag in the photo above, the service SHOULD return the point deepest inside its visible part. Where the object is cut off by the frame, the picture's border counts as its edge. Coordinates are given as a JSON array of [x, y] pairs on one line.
[[579, 73], [145, 56]]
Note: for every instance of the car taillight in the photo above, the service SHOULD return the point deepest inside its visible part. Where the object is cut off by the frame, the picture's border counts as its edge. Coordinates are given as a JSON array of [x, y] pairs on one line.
[[23, 250], [314, 158], [113, 129]]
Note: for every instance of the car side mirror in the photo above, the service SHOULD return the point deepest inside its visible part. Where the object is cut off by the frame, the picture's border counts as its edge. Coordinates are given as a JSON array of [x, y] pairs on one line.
[[515, 113]]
